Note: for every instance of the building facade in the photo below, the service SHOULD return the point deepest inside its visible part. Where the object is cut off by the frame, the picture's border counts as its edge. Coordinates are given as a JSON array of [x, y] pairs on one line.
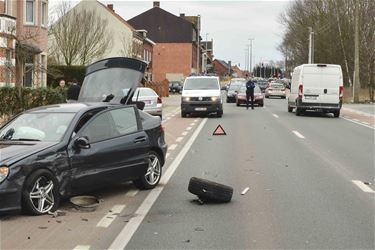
[[175, 54], [23, 43]]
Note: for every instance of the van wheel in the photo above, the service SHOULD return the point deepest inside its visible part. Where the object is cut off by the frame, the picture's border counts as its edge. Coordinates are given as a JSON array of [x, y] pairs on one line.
[[219, 113], [336, 113], [237, 104], [209, 190], [183, 114], [290, 109]]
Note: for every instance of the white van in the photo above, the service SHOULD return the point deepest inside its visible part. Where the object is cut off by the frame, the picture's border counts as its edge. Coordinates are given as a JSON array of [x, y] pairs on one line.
[[201, 95], [316, 87]]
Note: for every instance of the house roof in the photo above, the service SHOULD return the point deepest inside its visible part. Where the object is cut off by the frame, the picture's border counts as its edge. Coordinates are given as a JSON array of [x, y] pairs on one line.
[[117, 16], [226, 65], [163, 27]]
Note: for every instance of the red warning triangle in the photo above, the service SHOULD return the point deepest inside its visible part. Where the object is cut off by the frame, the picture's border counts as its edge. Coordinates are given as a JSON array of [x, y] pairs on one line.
[[219, 131]]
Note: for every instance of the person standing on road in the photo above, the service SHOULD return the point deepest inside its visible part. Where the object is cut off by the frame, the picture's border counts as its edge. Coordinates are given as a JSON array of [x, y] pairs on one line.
[[250, 85], [73, 91]]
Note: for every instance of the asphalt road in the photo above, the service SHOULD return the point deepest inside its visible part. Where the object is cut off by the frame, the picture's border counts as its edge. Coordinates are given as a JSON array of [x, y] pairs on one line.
[[299, 170]]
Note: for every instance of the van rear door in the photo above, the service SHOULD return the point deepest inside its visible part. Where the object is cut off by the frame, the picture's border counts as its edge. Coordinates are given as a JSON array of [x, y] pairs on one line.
[[321, 83]]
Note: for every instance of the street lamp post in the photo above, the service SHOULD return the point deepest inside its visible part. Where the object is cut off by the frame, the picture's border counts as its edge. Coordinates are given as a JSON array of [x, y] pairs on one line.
[[251, 55]]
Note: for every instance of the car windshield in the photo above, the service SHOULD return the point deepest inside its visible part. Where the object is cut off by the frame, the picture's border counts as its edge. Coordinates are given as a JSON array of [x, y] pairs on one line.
[[277, 86], [236, 85], [37, 127], [201, 83], [119, 82]]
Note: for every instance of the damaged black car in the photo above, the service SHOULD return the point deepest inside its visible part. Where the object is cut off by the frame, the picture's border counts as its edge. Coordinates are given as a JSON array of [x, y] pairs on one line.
[[56, 151]]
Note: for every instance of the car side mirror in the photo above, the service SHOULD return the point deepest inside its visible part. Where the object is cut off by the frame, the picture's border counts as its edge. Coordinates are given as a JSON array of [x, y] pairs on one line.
[[82, 142]]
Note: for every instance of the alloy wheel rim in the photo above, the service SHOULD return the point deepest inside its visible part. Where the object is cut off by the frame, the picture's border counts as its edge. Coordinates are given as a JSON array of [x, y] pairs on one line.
[[153, 171], [41, 195]]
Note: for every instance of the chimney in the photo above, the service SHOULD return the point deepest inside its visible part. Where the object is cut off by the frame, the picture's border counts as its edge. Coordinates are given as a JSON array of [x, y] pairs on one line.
[[156, 4], [182, 14], [110, 6]]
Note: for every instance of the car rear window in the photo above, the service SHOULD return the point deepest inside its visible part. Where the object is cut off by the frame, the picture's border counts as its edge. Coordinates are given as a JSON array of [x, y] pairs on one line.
[[201, 83], [277, 86]]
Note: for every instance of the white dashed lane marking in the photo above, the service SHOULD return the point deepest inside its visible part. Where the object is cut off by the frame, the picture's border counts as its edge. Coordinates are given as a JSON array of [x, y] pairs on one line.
[[298, 134], [172, 147], [192, 124], [179, 139], [363, 186], [276, 116], [166, 156], [132, 193], [184, 133], [82, 247], [188, 128], [110, 216]]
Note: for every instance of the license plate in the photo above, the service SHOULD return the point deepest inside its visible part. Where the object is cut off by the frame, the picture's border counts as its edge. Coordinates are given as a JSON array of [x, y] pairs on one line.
[[200, 109], [147, 102], [310, 97]]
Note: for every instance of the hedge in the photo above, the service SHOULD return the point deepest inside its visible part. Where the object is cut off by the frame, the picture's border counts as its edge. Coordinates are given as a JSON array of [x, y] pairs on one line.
[[14, 100], [68, 73]]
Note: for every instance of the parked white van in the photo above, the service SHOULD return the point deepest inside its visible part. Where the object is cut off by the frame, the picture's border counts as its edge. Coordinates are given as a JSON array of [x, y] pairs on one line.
[[201, 95], [316, 87]]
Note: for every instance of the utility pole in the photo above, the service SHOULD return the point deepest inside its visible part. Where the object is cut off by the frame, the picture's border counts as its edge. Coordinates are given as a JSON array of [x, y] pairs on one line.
[[251, 55], [198, 42], [311, 46], [356, 86]]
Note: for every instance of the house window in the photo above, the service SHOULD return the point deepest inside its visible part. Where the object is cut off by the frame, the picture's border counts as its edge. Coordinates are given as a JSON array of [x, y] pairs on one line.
[[9, 67], [8, 7], [30, 11], [28, 71], [44, 14]]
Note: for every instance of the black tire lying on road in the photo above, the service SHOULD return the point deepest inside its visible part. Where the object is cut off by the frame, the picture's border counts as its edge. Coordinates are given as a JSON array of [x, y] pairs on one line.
[[209, 190]]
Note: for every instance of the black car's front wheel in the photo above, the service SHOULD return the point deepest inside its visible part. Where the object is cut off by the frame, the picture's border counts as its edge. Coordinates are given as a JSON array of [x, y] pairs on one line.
[[40, 194], [153, 174]]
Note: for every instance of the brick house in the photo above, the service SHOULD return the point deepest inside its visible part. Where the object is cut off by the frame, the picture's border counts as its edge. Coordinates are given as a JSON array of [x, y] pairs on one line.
[[221, 68], [23, 43], [175, 53]]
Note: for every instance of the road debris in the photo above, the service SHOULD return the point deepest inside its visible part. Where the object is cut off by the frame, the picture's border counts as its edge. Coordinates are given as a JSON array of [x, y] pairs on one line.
[[367, 183], [245, 191], [199, 229], [57, 213], [42, 227]]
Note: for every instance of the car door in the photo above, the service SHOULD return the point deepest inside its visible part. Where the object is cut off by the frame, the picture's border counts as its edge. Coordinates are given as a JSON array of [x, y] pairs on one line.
[[117, 149]]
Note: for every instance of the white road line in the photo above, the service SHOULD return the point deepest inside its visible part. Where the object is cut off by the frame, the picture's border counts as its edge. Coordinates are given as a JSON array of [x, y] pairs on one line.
[[82, 247], [192, 124], [132, 193], [359, 123], [363, 186], [184, 133], [245, 191], [172, 147], [166, 156], [276, 116], [196, 120], [356, 120], [188, 128], [110, 216], [131, 227], [366, 123], [179, 139], [298, 134]]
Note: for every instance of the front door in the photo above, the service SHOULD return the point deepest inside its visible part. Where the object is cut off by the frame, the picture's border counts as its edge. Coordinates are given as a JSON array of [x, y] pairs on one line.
[[118, 150]]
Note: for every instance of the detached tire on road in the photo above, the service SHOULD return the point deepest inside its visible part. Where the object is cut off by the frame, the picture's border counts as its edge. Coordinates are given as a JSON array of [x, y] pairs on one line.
[[209, 190]]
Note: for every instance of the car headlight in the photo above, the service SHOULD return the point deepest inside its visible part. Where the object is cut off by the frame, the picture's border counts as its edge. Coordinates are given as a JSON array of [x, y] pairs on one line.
[[215, 98], [186, 99], [4, 171]]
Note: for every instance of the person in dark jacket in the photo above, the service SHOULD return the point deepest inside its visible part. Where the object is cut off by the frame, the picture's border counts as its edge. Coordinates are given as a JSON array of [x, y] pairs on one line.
[[73, 91], [250, 85]]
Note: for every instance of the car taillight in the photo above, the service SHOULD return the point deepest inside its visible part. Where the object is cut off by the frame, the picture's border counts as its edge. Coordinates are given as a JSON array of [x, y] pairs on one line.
[[341, 91], [300, 90], [159, 100]]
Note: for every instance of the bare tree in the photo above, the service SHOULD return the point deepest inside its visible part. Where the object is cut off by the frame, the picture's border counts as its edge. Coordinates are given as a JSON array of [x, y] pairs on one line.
[[79, 37]]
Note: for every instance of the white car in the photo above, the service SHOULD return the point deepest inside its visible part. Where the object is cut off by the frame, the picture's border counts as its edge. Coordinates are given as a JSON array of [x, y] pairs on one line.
[[316, 87], [153, 103]]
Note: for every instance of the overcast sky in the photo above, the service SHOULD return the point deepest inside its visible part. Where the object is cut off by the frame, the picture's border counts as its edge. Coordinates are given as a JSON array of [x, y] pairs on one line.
[[229, 23]]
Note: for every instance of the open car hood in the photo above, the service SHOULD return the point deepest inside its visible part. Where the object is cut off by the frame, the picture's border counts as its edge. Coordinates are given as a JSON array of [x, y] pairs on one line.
[[113, 80]]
